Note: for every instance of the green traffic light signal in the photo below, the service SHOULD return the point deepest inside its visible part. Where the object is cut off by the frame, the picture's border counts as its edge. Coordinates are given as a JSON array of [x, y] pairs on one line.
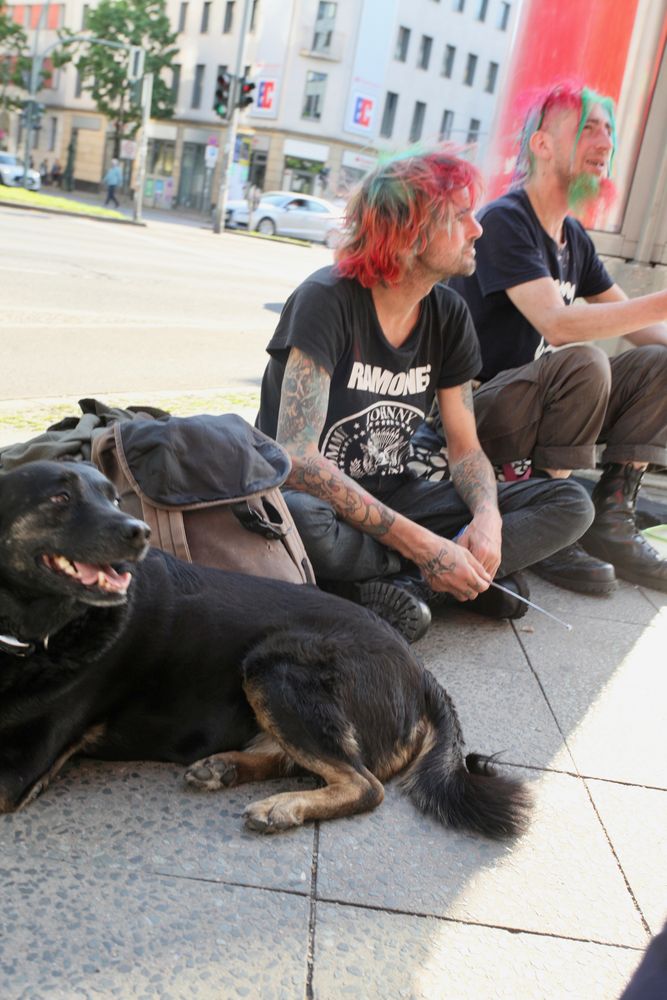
[[222, 91]]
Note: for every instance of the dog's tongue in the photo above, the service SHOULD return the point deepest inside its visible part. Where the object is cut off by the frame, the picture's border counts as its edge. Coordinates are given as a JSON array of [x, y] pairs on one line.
[[102, 576]]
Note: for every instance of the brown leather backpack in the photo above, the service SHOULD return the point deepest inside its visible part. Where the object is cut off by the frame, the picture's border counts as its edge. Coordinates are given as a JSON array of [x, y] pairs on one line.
[[209, 489]]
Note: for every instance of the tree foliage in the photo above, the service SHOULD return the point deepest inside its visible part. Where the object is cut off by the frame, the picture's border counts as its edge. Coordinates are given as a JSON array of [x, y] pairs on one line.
[[104, 71], [14, 61]]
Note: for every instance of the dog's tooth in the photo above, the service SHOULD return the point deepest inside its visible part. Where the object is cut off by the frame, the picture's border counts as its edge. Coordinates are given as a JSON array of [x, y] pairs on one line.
[[65, 565]]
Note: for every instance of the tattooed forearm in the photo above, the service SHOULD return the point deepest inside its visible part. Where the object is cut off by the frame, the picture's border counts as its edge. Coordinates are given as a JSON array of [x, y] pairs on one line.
[[319, 477], [304, 400], [475, 482]]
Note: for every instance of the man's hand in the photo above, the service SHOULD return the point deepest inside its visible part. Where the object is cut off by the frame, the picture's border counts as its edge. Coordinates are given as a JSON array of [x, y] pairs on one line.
[[483, 539], [452, 569]]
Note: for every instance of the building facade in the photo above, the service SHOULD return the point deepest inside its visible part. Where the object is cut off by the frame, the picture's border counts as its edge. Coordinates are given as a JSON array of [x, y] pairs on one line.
[[337, 84]]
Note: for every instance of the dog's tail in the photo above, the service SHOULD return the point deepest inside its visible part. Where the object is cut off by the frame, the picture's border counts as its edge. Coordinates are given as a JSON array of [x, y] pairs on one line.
[[460, 791]]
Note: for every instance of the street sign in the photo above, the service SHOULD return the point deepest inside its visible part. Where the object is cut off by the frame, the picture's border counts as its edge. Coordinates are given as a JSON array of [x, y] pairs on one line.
[[128, 149], [210, 157]]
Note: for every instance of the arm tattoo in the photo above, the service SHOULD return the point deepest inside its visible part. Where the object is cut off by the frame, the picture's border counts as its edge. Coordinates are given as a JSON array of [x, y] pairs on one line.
[[437, 565], [475, 482], [466, 396], [303, 409]]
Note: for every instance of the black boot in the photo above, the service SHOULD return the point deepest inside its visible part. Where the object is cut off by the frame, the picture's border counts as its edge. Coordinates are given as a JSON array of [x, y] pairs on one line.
[[613, 535], [492, 603], [574, 569], [397, 599]]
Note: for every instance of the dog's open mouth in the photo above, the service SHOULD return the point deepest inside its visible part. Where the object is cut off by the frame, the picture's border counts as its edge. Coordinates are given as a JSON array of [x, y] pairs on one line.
[[102, 577]]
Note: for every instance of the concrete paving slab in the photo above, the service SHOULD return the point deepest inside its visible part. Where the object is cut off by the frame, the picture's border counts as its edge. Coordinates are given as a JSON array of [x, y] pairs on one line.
[[71, 931], [636, 822], [627, 604], [497, 697], [607, 686], [362, 954], [560, 878], [142, 817]]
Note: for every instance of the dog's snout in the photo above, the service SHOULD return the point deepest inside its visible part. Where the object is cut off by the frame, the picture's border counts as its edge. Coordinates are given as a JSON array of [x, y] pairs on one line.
[[136, 531]]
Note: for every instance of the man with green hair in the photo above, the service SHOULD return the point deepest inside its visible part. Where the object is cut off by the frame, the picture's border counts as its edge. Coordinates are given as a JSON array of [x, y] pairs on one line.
[[548, 395]]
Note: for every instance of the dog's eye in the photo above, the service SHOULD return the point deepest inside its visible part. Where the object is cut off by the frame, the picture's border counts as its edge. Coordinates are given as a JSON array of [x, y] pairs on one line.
[[60, 498]]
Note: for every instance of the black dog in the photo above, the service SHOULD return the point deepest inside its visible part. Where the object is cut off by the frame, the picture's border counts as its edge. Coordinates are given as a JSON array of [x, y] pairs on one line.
[[175, 662]]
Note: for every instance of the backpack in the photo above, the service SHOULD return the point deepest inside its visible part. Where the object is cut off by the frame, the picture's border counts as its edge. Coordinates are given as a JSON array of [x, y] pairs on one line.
[[209, 489]]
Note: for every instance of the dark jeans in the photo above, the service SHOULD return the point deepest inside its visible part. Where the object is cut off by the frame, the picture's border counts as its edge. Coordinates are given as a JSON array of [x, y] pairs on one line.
[[540, 516], [111, 195], [555, 409]]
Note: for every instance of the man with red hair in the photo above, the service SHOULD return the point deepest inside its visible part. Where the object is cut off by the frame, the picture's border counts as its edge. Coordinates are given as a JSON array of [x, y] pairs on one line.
[[361, 350], [551, 405]]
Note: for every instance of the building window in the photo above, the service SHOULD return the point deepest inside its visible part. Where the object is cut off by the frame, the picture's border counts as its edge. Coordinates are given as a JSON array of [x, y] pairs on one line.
[[482, 8], [84, 16], [446, 125], [425, 52], [417, 126], [448, 61], [53, 133], [389, 115], [182, 17], [253, 15], [504, 16], [471, 66], [198, 85], [313, 98], [473, 130], [205, 14], [160, 155], [458, 6], [491, 78], [229, 17], [402, 43], [175, 80], [78, 85], [324, 25]]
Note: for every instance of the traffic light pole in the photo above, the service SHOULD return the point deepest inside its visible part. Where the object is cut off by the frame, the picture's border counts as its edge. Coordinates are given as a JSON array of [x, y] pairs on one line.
[[146, 100], [230, 143]]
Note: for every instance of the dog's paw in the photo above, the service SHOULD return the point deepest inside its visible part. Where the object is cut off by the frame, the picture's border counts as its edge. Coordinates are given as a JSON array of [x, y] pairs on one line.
[[280, 812], [212, 774]]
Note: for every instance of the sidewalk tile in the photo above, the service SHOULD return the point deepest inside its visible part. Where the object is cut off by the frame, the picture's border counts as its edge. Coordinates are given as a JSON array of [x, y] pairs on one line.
[[561, 878], [636, 822], [143, 817], [71, 931], [364, 955]]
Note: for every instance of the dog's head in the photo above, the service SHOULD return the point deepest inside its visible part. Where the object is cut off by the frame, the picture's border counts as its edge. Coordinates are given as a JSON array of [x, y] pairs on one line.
[[62, 534]]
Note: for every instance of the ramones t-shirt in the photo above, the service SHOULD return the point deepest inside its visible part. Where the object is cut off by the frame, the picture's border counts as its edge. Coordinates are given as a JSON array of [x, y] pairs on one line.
[[513, 249], [378, 393]]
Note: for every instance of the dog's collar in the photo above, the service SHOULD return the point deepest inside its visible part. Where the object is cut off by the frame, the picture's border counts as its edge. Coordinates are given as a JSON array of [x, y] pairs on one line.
[[15, 647]]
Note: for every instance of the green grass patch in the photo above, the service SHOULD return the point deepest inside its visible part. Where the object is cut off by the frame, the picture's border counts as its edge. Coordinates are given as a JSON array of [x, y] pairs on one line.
[[54, 203], [24, 420]]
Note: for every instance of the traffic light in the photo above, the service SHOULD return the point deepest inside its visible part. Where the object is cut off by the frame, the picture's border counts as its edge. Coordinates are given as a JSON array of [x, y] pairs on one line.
[[245, 97], [223, 86]]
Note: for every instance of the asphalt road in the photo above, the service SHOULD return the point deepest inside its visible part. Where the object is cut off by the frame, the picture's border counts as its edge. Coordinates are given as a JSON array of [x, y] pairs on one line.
[[97, 309]]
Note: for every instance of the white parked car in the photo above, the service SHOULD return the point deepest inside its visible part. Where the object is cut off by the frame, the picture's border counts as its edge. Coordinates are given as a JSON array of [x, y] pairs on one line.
[[12, 170], [237, 213], [288, 213]]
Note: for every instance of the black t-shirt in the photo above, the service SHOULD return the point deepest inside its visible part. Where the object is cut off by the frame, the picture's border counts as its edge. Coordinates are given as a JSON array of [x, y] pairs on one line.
[[378, 393], [514, 248]]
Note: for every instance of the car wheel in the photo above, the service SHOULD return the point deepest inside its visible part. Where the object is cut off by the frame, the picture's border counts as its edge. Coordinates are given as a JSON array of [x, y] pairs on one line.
[[266, 227]]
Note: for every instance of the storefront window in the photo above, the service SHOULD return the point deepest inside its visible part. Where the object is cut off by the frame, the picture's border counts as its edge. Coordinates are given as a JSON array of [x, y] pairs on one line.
[[160, 157]]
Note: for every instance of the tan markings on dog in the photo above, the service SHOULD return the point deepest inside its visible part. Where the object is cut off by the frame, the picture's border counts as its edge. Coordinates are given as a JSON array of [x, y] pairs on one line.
[[236, 767], [405, 753], [347, 790], [89, 739], [429, 740]]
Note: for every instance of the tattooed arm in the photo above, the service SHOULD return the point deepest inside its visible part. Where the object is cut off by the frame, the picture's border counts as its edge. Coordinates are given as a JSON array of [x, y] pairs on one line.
[[472, 475], [303, 407]]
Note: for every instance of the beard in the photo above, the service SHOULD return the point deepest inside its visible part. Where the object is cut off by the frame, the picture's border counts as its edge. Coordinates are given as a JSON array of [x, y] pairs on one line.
[[586, 192]]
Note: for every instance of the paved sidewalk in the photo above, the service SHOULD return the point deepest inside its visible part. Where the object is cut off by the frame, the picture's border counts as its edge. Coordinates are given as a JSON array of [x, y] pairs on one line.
[[122, 882]]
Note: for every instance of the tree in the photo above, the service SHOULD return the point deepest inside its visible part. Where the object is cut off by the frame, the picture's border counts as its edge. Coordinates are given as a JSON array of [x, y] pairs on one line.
[[104, 71], [14, 61]]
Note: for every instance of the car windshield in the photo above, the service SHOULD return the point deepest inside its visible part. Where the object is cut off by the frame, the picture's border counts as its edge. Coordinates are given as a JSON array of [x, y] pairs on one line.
[[8, 158]]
